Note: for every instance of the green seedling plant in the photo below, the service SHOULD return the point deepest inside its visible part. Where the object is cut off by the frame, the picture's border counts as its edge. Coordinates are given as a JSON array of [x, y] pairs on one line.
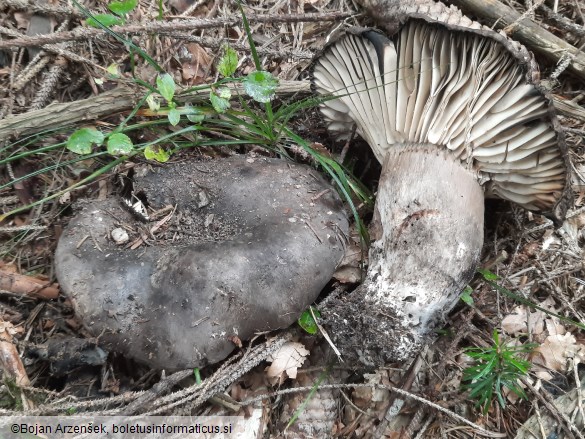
[[497, 368], [500, 366]]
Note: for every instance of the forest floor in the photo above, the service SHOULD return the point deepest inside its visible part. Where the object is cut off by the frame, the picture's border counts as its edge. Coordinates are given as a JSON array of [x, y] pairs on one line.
[[58, 75]]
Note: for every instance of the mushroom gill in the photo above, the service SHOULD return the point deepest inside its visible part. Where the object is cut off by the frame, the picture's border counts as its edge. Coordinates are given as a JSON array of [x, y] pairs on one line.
[[452, 118]]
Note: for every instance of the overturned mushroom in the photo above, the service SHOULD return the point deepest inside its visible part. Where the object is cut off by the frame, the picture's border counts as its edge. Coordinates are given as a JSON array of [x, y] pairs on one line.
[[249, 246], [452, 115]]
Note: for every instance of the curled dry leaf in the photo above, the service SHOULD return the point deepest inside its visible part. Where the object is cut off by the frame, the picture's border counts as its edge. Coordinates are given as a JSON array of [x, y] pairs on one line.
[[286, 361]]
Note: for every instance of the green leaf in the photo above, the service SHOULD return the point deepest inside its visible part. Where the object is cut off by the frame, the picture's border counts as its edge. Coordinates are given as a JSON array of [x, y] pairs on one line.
[[307, 322], [487, 275], [228, 62], [122, 7], [156, 152], [165, 85], [194, 114], [466, 296], [174, 116], [260, 86], [107, 20], [119, 144], [81, 141], [224, 92], [113, 70], [160, 9], [220, 99]]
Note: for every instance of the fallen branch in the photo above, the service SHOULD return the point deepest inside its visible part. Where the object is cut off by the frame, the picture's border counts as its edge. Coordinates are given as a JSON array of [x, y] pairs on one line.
[[86, 33], [563, 22], [124, 98], [103, 105], [526, 31]]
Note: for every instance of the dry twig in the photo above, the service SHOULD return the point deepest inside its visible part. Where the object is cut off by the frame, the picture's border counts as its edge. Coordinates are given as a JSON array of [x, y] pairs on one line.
[[84, 33], [26, 285]]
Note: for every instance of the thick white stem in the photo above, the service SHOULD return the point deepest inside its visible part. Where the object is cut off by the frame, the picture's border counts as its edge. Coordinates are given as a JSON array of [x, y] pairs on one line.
[[428, 233]]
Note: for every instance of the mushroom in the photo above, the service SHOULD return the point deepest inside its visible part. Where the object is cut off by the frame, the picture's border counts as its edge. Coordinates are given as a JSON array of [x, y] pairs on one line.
[[454, 115], [249, 245]]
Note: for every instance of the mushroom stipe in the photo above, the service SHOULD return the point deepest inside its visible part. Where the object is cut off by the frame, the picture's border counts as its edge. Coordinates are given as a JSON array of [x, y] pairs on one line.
[[453, 116], [246, 250]]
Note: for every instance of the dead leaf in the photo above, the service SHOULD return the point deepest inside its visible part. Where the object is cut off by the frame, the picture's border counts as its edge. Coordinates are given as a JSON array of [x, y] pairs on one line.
[[538, 321], [554, 352], [285, 362], [555, 327], [197, 66], [522, 319], [22, 20], [349, 270], [10, 362]]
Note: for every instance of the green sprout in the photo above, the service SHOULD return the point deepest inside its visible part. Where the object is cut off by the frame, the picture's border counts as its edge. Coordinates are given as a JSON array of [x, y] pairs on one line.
[[497, 368]]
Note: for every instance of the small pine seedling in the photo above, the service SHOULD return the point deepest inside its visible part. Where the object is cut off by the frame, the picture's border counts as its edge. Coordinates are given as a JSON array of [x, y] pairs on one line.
[[496, 368]]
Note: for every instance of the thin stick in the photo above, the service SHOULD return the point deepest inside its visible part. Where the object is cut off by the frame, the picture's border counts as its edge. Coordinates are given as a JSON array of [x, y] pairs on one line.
[[36, 7], [214, 43], [85, 33]]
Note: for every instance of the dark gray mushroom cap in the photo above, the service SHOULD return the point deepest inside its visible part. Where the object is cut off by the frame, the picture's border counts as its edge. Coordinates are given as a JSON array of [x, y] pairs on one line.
[[249, 247], [455, 89]]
